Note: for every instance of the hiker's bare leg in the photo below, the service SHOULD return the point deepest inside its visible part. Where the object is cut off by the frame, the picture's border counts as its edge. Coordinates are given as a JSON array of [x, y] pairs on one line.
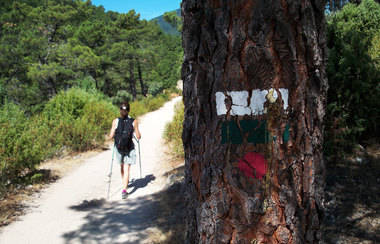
[[122, 172], [127, 176]]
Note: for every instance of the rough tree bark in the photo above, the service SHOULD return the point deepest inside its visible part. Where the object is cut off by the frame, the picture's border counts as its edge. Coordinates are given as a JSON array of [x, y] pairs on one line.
[[254, 93]]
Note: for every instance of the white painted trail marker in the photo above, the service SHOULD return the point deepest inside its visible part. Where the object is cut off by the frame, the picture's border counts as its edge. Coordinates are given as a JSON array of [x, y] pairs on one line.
[[256, 106]]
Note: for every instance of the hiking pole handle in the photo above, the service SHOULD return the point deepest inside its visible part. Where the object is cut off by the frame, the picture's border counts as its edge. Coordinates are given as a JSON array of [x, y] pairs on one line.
[[137, 140]]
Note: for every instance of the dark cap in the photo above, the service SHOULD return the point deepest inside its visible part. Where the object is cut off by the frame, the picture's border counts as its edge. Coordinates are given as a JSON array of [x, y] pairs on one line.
[[124, 106]]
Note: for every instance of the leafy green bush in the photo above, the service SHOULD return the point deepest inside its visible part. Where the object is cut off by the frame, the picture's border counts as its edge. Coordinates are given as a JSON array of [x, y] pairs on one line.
[[173, 130], [353, 73], [75, 120], [79, 119], [38, 177], [68, 103], [86, 83], [121, 96], [21, 143], [147, 104], [96, 120]]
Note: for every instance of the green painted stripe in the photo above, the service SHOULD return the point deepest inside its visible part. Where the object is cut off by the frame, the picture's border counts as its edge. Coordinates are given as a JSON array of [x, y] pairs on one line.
[[256, 129]]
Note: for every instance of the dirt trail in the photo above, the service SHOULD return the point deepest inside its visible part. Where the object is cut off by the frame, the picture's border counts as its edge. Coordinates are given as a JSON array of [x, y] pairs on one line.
[[74, 209]]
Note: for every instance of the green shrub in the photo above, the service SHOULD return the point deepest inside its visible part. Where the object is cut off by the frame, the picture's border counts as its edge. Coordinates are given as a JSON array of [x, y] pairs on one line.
[[79, 119], [85, 83], [89, 130], [173, 131], [121, 96], [21, 143], [38, 177], [75, 120], [68, 103], [147, 104], [353, 72]]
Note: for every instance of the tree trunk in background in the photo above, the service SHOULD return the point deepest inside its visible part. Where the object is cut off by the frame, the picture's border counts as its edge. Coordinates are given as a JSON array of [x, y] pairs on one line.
[[132, 81], [106, 89], [95, 78], [331, 6], [254, 93], [143, 90]]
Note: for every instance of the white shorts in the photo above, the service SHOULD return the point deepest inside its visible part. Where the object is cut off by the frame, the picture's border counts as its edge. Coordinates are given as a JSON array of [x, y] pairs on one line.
[[127, 159]]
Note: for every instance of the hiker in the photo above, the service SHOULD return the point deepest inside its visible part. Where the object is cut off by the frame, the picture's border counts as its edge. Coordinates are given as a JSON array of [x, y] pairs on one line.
[[122, 130]]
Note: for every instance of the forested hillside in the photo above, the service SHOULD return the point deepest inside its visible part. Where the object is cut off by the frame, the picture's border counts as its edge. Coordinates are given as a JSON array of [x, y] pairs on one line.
[[47, 46]]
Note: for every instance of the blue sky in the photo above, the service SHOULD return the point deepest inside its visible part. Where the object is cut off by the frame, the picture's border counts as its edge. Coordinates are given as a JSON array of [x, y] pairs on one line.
[[147, 9]]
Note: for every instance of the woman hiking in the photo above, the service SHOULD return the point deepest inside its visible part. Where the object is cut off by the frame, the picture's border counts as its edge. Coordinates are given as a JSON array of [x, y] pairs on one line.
[[122, 131]]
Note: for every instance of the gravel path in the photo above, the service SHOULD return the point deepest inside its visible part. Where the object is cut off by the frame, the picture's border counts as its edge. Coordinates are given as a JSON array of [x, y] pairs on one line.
[[74, 209]]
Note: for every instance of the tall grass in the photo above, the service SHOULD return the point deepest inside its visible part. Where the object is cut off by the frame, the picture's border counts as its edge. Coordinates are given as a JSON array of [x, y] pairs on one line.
[[173, 131]]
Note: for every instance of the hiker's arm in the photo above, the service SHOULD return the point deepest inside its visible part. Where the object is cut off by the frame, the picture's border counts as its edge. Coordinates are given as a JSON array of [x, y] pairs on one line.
[[112, 131], [137, 132]]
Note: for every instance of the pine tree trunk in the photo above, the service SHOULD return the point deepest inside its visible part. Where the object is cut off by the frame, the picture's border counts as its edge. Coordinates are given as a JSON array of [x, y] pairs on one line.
[[143, 90], [254, 92], [132, 81]]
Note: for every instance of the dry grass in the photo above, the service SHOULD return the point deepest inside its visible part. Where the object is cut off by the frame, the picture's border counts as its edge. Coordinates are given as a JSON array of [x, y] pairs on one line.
[[170, 220], [172, 210], [13, 203]]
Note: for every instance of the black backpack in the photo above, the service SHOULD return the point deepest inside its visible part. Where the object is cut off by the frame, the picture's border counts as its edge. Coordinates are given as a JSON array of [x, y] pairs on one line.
[[123, 136]]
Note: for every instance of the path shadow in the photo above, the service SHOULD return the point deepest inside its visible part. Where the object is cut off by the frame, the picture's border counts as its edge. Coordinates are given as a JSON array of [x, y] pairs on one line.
[[110, 222], [352, 202], [86, 205], [141, 183], [161, 213]]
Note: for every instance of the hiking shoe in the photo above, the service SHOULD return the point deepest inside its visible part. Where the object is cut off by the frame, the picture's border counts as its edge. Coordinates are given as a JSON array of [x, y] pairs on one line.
[[124, 194]]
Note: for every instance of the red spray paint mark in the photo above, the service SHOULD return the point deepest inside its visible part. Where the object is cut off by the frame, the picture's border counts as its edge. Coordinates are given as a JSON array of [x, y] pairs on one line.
[[253, 165]]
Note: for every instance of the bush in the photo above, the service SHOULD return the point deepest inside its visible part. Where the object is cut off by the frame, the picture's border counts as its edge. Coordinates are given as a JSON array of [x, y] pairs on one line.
[[68, 103], [75, 120], [38, 177], [96, 120], [147, 104], [21, 143], [79, 119], [353, 73], [173, 131], [86, 83], [121, 96]]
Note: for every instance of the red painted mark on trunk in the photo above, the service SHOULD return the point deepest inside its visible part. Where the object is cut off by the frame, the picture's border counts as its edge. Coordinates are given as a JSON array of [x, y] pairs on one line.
[[253, 165]]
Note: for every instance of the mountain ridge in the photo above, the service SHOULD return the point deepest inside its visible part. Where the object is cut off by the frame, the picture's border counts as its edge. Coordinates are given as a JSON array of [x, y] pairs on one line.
[[165, 26]]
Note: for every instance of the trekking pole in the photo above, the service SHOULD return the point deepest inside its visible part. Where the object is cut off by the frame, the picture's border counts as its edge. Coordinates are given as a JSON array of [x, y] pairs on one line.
[[138, 143], [110, 173]]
